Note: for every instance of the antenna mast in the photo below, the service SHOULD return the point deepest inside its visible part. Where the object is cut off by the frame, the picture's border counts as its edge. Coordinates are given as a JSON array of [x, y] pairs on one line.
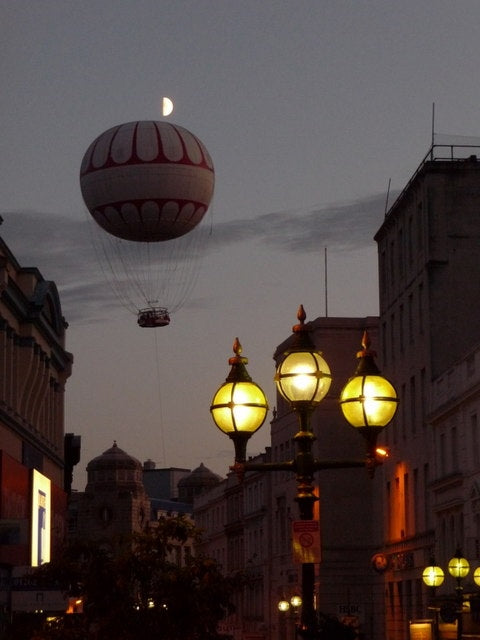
[[433, 130], [387, 198], [326, 282]]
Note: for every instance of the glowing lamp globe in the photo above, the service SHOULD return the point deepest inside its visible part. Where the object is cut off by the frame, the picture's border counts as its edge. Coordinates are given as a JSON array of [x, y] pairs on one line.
[[147, 181], [458, 566], [239, 407], [283, 606], [296, 601], [368, 400], [303, 377], [476, 576], [433, 576]]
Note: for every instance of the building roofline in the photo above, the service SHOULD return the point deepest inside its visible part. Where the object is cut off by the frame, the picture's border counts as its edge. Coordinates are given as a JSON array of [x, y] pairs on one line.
[[445, 148]]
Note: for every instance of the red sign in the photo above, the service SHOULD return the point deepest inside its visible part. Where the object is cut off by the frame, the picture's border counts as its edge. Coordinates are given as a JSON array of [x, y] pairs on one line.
[[306, 541]]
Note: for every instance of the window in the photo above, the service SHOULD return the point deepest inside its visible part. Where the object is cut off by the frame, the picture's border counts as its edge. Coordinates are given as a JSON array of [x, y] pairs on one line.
[[410, 240], [423, 397], [281, 523], [420, 308], [392, 262], [454, 448], [442, 454], [416, 500], [426, 501], [406, 504], [403, 409], [400, 600], [411, 335], [400, 254], [413, 404], [401, 321], [474, 439], [392, 336], [420, 226], [384, 344], [471, 365], [389, 511]]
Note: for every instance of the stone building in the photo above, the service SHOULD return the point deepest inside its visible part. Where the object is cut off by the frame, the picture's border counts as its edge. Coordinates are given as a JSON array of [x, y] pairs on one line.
[[123, 497], [36, 458], [195, 483], [114, 504], [429, 265]]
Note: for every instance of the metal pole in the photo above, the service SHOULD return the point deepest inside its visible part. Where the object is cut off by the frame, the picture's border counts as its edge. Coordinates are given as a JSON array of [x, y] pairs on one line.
[[305, 467], [459, 592]]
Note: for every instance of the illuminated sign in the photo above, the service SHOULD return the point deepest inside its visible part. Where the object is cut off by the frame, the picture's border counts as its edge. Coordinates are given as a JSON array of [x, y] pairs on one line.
[[41, 519]]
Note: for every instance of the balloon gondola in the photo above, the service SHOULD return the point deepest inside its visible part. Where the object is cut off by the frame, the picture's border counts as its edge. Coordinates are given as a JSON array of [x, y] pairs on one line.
[[148, 185], [153, 317]]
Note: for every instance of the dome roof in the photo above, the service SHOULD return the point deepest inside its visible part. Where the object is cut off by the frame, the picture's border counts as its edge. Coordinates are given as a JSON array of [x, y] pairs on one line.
[[199, 480], [114, 458], [114, 470]]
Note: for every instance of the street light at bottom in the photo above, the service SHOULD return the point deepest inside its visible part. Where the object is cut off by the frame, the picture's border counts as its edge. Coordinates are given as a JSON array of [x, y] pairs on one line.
[[289, 612], [459, 568], [368, 402]]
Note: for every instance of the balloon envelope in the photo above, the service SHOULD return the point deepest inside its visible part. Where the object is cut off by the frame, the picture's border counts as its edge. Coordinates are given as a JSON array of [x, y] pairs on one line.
[[148, 184], [147, 181]]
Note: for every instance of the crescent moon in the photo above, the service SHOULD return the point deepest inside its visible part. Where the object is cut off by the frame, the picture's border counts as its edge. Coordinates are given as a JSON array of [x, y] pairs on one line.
[[167, 106]]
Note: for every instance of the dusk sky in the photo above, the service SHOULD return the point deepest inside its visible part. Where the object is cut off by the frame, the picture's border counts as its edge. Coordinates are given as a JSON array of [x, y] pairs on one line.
[[308, 109]]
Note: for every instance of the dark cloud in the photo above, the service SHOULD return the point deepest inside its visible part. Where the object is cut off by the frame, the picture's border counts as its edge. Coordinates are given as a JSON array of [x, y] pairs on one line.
[[62, 247], [344, 226]]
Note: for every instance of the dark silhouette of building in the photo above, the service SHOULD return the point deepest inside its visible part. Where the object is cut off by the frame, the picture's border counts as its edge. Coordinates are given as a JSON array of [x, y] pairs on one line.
[[429, 266], [35, 458], [114, 504]]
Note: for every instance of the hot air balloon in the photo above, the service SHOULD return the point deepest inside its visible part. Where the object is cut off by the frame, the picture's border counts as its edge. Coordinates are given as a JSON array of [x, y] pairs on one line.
[[148, 185]]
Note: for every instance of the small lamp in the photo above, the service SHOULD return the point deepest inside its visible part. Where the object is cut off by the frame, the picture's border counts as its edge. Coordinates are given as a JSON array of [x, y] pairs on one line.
[[476, 576], [283, 606], [239, 407], [458, 566], [433, 575]]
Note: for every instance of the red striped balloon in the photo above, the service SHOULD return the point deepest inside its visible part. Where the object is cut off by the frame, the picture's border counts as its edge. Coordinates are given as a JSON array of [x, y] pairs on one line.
[[147, 181]]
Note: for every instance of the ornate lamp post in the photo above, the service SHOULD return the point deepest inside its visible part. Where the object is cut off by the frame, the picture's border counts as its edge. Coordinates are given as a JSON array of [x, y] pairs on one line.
[[290, 607], [303, 378], [458, 568]]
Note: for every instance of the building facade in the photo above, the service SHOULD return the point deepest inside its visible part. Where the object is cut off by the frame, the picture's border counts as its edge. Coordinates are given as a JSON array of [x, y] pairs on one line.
[[114, 504], [35, 457], [429, 266], [122, 497]]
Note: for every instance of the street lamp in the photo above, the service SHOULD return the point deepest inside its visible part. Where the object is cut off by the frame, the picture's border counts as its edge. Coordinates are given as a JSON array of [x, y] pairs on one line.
[[291, 607], [433, 575], [303, 378], [458, 568]]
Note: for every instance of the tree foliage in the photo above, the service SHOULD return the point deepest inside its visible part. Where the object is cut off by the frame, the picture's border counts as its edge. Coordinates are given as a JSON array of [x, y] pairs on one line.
[[141, 591]]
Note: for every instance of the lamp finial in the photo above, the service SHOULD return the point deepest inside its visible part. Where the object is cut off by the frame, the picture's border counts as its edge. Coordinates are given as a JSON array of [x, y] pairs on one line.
[[366, 344], [237, 350]]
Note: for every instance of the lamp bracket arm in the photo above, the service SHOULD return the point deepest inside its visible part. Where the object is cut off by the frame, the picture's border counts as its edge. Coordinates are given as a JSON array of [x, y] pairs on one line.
[[269, 466], [320, 465]]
